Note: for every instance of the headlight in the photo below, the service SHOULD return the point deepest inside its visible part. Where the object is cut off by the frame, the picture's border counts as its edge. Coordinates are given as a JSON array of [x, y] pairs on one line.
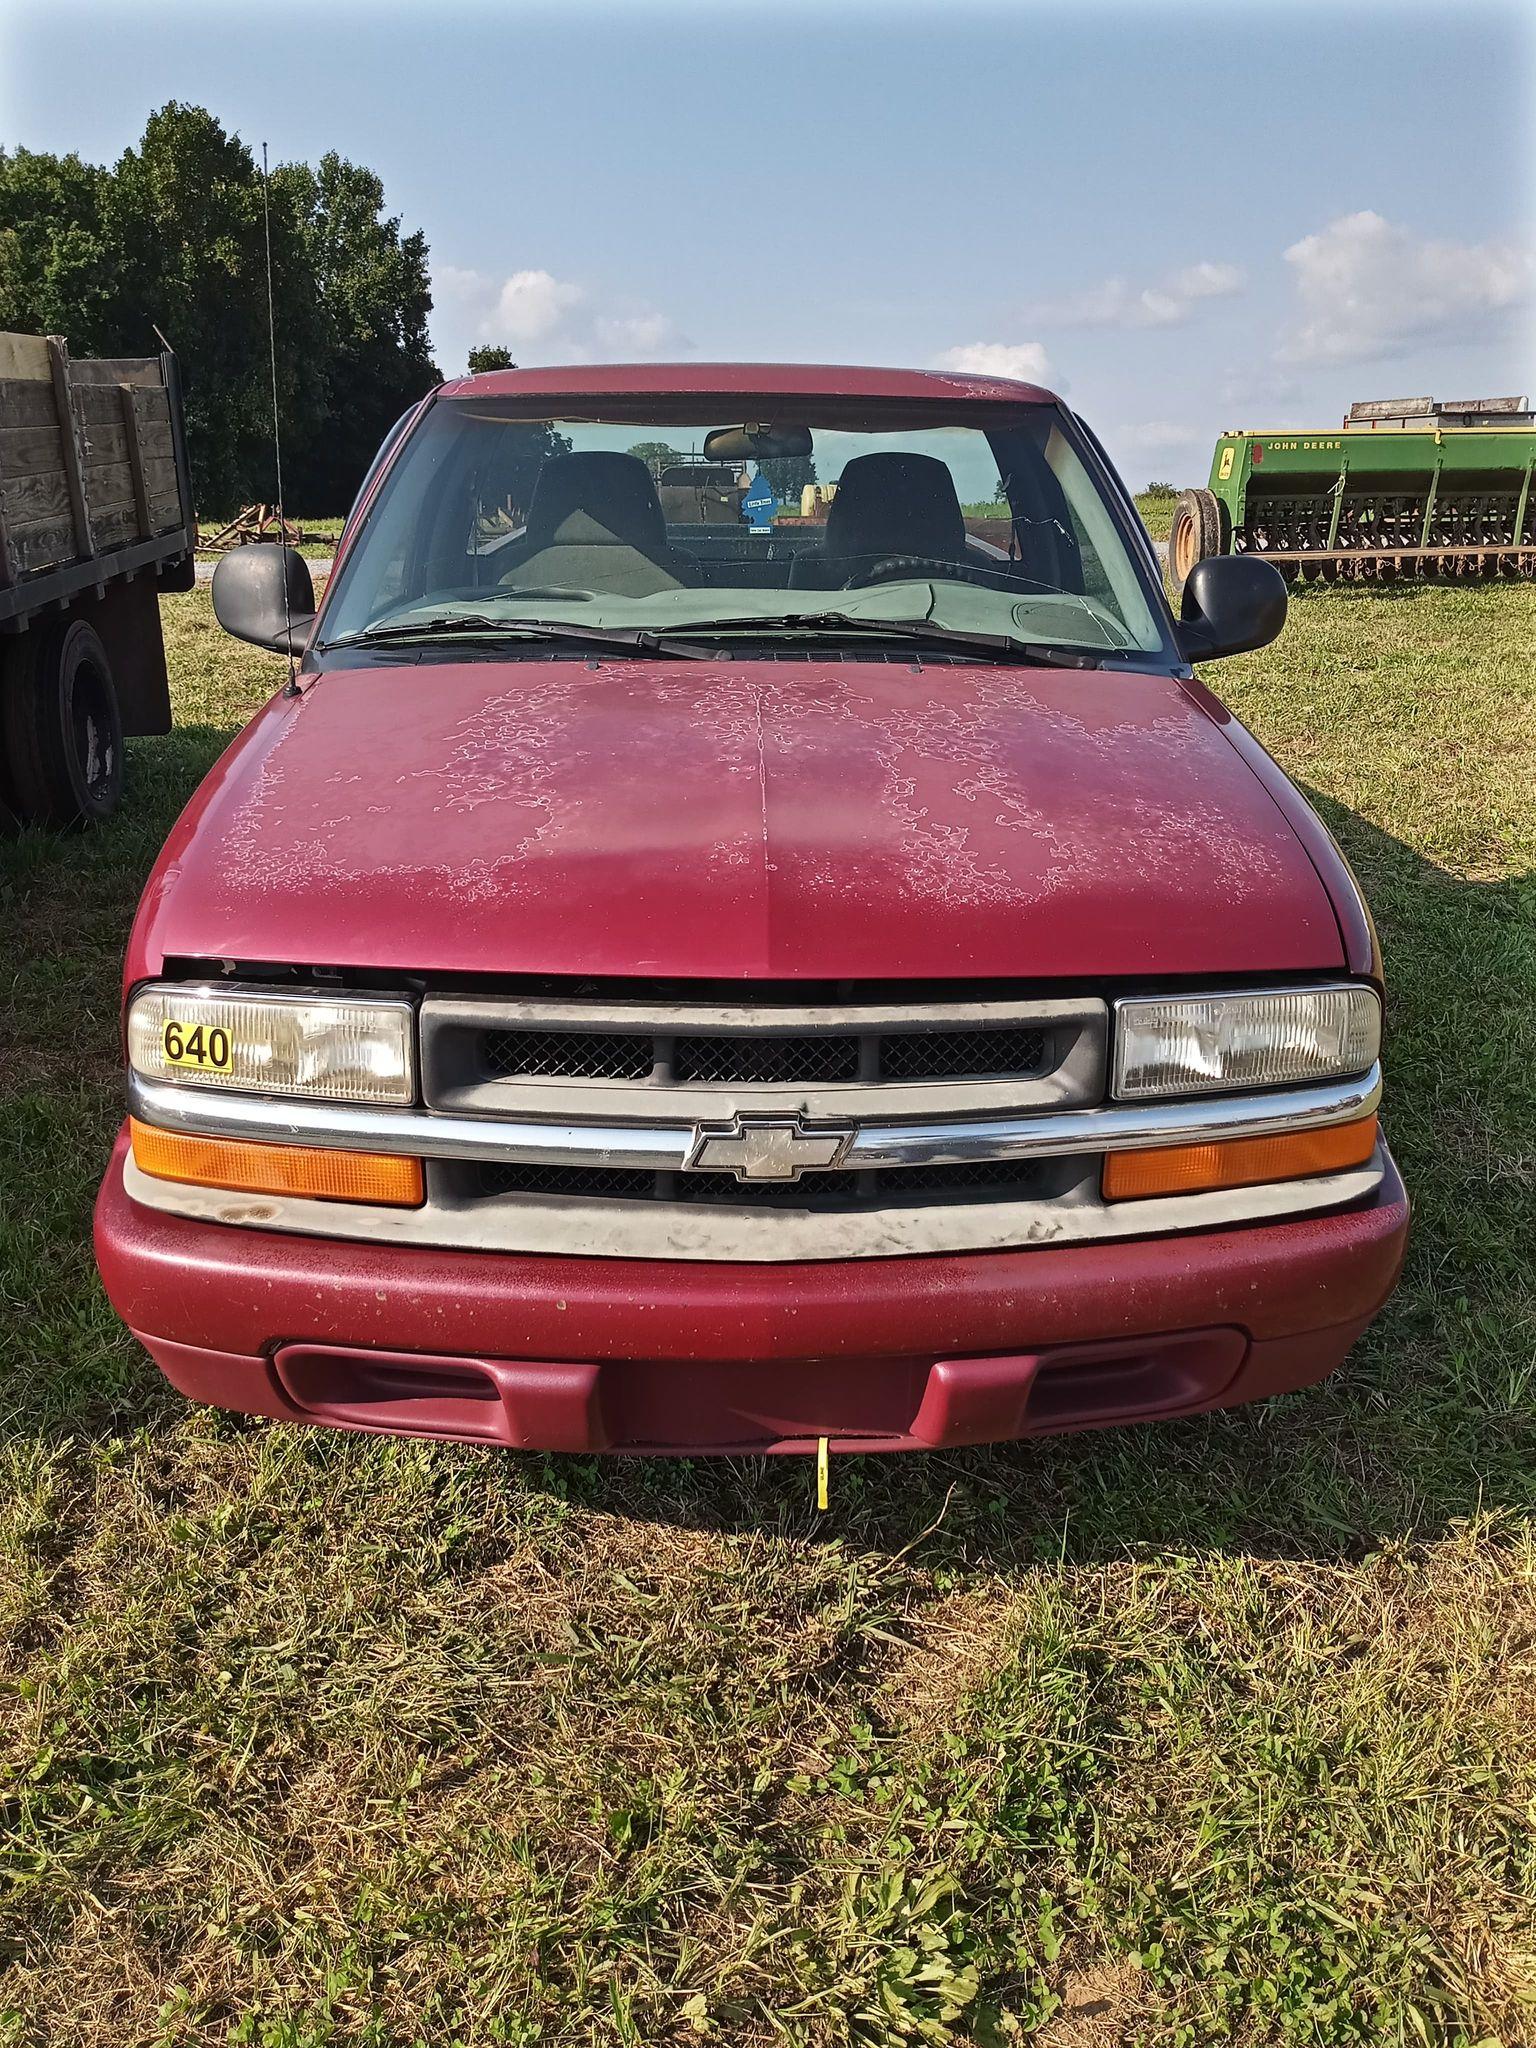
[[1197, 1045], [340, 1048]]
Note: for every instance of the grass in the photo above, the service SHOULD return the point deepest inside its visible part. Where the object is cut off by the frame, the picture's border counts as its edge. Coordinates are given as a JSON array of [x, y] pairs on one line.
[[317, 532], [1156, 509], [1219, 1731]]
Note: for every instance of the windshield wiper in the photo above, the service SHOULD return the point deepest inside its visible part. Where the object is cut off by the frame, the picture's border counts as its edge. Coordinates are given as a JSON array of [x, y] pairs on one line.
[[921, 632], [473, 625]]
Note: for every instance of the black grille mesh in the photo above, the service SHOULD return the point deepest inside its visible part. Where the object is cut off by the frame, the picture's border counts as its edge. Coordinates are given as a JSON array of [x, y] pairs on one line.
[[815, 1057], [612, 1183], [950, 1055], [577, 1055], [1003, 1180], [742, 1059]]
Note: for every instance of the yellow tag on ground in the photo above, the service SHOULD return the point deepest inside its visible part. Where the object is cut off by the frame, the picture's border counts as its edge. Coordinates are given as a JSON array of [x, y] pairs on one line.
[[821, 1472]]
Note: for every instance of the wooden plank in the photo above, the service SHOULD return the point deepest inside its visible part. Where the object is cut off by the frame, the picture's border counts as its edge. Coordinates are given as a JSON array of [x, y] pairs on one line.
[[165, 513], [69, 430], [26, 450], [115, 370], [118, 525], [107, 483], [110, 444], [160, 476], [27, 404], [7, 567], [25, 355], [135, 458], [99, 405], [50, 545], [29, 498]]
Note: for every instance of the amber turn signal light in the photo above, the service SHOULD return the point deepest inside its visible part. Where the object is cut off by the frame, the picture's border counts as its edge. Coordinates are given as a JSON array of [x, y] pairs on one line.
[[1236, 1162], [257, 1169]]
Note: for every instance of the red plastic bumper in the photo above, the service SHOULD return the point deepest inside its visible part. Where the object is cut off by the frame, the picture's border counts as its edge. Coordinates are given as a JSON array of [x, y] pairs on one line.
[[591, 1354]]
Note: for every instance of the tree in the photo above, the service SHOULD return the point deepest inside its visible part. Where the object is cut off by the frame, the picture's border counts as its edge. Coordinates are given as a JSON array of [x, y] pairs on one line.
[[490, 355], [374, 297], [54, 276], [657, 455], [174, 237], [185, 242], [788, 475]]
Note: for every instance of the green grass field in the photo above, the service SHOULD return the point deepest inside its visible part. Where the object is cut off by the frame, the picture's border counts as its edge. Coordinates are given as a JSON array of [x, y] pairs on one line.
[[1218, 1731]]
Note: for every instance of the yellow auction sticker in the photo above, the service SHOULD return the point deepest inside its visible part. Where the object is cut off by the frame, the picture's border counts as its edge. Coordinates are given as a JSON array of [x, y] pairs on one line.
[[203, 1047]]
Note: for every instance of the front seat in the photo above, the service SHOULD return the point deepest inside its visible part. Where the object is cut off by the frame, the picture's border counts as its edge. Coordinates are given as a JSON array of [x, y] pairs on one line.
[[890, 504], [594, 523]]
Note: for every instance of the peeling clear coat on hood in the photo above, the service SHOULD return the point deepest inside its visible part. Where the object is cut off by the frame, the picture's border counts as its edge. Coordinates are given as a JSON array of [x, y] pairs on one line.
[[825, 820]]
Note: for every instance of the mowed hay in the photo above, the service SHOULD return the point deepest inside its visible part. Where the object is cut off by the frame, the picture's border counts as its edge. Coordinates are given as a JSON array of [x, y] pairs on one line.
[[1214, 1731]]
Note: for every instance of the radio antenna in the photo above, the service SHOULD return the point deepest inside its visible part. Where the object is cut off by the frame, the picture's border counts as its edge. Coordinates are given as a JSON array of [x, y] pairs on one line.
[[277, 438]]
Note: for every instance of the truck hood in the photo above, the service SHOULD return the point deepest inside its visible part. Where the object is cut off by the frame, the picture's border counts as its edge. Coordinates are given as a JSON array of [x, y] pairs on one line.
[[809, 820]]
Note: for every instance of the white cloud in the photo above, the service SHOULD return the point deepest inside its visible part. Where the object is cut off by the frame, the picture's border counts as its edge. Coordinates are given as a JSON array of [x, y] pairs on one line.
[[1207, 281], [1166, 302], [544, 318], [531, 306], [1023, 359], [640, 336], [1148, 436], [1367, 287]]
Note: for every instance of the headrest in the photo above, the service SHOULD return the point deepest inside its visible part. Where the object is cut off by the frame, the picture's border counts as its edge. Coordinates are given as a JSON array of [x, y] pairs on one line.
[[896, 505], [594, 497]]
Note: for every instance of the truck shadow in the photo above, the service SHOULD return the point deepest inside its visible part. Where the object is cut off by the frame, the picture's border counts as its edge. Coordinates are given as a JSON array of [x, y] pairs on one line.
[[1432, 1417]]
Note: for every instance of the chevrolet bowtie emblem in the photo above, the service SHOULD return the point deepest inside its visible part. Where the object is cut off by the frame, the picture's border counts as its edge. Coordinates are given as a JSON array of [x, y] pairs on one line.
[[767, 1149]]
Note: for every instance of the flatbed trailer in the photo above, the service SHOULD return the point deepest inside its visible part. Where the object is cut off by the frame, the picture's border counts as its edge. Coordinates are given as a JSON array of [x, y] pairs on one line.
[[96, 519]]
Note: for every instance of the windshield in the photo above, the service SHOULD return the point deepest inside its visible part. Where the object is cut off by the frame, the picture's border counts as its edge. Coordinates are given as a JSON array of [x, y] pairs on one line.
[[745, 529]]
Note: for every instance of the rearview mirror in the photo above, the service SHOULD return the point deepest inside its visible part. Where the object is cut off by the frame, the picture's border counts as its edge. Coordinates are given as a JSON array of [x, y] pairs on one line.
[[263, 593], [1231, 603], [756, 442]]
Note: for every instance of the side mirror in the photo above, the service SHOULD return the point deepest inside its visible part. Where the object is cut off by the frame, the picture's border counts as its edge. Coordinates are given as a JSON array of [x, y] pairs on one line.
[[1231, 604], [263, 593]]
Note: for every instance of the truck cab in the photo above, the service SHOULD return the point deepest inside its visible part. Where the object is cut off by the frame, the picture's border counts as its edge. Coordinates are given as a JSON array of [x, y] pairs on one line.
[[650, 985]]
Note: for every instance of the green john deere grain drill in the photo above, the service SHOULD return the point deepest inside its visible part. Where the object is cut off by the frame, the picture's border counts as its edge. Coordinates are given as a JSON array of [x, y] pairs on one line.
[[1407, 488]]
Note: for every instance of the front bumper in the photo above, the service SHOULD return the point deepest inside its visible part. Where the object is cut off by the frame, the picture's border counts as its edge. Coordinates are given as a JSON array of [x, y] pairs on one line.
[[571, 1353]]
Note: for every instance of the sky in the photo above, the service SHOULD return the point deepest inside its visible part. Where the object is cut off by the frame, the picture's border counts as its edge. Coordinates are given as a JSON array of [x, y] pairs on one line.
[[1185, 216]]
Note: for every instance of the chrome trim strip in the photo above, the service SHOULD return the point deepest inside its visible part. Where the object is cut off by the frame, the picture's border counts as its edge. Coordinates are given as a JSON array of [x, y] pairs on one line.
[[667, 1147], [1134, 1127], [671, 1230], [410, 1131]]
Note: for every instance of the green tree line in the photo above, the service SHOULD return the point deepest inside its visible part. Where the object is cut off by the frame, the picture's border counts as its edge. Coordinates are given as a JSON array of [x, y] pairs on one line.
[[172, 237]]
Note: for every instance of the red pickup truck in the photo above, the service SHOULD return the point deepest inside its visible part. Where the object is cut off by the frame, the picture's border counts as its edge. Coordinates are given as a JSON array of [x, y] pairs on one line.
[[655, 984]]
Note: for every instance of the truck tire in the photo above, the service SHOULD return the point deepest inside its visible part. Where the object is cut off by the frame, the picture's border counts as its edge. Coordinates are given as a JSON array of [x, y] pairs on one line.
[[1199, 529], [60, 727]]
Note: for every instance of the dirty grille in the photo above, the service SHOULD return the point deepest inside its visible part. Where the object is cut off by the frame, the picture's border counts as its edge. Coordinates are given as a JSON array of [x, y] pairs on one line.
[[738, 1059], [999, 1180], [728, 1059], [577, 1055], [941, 1055]]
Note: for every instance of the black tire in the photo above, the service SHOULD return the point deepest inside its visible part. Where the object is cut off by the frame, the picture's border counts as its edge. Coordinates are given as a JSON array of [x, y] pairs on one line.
[[61, 728], [1199, 530]]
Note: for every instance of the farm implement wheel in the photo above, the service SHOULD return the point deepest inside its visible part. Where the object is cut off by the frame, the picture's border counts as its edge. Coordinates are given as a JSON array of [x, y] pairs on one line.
[[1199, 530]]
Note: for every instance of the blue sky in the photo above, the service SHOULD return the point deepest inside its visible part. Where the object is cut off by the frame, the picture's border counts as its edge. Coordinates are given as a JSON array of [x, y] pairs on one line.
[[1185, 217]]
